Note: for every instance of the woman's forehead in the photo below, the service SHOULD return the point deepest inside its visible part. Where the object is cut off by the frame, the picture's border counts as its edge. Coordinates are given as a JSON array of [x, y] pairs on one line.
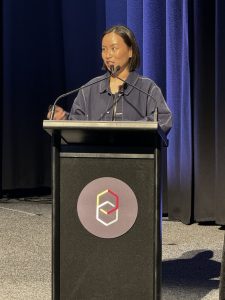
[[112, 38]]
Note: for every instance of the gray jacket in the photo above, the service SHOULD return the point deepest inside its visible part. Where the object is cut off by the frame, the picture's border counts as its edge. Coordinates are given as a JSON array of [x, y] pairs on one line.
[[97, 103]]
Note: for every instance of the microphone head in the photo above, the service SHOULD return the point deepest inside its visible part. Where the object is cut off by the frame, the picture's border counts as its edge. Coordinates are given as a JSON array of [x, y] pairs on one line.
[[117, 69], [111, 69], [114, 70]]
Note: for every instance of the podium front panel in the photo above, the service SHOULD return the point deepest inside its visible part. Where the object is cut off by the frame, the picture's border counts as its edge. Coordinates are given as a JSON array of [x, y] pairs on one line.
[[124, 267]]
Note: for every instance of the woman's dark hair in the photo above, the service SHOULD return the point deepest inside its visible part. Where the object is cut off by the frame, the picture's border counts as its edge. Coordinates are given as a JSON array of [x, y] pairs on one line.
[[129, 38]]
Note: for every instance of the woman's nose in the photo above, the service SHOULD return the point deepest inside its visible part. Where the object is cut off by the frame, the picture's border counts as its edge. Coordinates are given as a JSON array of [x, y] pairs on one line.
[[108, 53]]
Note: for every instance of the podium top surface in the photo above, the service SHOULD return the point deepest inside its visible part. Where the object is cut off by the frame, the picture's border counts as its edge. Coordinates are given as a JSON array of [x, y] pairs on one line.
[[77, 131]]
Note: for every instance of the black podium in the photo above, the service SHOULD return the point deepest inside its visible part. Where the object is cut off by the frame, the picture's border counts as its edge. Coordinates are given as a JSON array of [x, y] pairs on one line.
[[113, 263]]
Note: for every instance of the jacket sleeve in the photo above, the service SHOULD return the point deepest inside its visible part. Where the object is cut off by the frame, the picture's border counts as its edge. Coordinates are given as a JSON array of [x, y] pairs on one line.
[[79, 108], [157, 101]]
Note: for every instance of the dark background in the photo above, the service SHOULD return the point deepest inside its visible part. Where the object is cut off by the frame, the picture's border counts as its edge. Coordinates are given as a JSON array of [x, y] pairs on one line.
[[52, 46]]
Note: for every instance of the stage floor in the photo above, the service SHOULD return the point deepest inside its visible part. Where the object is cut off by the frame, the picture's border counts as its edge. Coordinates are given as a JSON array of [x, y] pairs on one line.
[[191, 254]]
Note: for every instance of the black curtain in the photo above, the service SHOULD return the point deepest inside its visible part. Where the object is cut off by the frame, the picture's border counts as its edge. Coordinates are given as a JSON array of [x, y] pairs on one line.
[[48, 48], [219, 79], [1, 102], [203, 89]]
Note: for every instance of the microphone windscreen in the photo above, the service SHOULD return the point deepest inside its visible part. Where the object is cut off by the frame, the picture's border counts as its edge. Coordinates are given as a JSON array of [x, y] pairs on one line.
[[111, 69], [117, 68]]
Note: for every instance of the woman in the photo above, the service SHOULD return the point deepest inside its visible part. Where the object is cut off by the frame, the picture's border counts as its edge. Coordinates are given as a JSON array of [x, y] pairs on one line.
[[120, 94]]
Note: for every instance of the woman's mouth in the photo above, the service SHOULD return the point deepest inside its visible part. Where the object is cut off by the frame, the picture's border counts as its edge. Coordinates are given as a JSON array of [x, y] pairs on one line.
[[110, 63]]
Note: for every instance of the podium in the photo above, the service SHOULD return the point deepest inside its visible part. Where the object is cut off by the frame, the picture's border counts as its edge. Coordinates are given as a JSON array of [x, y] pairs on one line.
[[106, 220]]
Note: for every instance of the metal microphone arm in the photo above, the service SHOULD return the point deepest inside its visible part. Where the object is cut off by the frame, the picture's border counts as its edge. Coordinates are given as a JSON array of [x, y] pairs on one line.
[[140, 90], [111, 71]]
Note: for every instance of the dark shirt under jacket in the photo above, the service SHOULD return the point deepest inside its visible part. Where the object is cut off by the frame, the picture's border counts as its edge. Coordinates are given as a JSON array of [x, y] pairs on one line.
[[97, 103]]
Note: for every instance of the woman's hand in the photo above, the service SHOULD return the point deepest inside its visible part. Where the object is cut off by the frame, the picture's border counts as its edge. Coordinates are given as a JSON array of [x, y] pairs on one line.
[[59, 113]]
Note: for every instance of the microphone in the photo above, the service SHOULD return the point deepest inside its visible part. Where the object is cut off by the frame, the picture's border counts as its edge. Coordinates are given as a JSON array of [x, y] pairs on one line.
[[116, 70], [111, 72]]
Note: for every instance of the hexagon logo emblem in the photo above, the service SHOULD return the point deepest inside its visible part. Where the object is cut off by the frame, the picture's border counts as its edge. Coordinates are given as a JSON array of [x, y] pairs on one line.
[[107, 207], [107, 212]]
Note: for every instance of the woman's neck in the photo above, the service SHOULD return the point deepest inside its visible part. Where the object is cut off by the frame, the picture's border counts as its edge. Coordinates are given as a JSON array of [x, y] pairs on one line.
[[115, 82], [123, 74]]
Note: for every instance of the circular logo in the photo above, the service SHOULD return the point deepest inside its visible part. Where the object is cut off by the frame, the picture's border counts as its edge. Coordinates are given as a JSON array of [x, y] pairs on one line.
[[107, 207]]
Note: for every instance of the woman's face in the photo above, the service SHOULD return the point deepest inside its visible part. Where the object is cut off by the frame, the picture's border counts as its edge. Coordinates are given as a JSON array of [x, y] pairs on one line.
[[115, 52]]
